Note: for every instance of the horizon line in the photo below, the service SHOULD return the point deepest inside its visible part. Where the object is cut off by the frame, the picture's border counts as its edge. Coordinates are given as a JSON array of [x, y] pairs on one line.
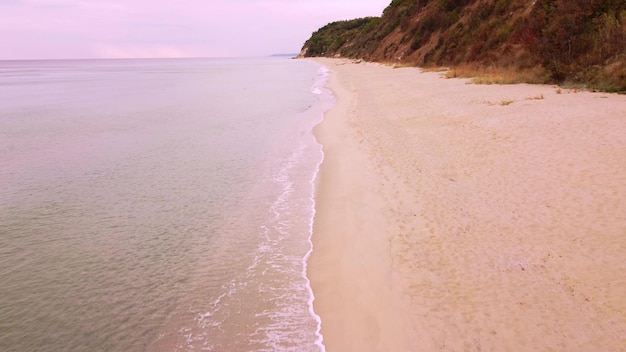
[[153, 58]]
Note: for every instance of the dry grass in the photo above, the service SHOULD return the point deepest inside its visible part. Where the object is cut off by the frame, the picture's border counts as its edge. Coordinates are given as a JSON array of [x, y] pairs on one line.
[[536, 97], [492, 103], [435, 69], [535, 75], [497, 75], [401, 65]]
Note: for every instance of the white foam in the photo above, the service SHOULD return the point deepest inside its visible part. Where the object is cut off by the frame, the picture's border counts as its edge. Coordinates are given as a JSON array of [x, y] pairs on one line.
[[320, 82], [280, 334], [318, 330], [293, 320]]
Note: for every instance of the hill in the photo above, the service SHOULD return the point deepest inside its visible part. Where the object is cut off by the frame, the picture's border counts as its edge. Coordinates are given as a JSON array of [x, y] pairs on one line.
[[577, 41]]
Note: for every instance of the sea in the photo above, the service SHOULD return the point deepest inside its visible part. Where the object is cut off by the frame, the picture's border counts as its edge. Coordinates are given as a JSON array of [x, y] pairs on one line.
[[159, 204]]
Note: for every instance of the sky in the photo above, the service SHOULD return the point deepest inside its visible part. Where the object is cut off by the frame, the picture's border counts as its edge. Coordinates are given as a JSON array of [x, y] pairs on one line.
[[75, 29]]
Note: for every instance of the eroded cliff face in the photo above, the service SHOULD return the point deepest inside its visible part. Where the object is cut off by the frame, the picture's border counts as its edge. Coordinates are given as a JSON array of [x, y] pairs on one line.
[[578, 40]]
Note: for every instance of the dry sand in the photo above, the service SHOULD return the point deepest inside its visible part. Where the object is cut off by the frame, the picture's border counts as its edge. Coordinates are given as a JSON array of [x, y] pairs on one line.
[[460, 217]]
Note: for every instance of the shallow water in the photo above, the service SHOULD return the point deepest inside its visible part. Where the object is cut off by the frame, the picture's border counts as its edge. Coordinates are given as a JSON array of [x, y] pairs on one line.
[[158, 204]]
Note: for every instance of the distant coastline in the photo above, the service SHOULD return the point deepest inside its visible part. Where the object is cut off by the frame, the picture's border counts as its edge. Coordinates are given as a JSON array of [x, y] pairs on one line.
[[284, 55]]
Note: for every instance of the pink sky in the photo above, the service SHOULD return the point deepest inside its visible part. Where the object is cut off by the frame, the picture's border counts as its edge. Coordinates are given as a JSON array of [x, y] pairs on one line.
[[56, 29]]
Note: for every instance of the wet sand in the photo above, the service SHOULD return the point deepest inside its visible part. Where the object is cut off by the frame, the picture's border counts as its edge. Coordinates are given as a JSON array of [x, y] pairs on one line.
[[461, 217]]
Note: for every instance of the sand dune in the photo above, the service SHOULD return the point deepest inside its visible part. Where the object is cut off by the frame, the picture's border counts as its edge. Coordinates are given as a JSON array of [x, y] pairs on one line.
[[459, 217]]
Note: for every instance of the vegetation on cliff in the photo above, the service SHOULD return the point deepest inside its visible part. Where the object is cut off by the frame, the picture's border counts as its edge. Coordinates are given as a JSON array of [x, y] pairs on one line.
[[335, 36], [579, 41]]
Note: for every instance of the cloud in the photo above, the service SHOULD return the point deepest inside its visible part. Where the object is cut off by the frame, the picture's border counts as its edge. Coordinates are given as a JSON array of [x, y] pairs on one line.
[[128, 51], [10, 2], [116, 28]]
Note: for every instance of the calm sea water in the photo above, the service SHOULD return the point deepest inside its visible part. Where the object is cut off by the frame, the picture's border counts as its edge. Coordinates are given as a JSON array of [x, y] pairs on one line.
[[158, 205]]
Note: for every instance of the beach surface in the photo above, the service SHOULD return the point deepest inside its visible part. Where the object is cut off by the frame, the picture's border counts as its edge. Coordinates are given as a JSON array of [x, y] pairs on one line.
[[460, 217]]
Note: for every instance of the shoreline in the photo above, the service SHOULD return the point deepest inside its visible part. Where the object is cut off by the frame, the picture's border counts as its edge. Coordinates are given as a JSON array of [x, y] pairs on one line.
[[338, 210], [464, 217]]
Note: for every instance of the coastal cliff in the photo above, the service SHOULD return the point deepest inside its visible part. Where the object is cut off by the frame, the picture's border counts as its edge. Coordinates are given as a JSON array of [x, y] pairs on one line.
[[577, 41]]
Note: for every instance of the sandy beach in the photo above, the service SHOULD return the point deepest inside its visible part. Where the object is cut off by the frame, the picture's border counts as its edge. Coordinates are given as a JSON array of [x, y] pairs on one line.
[[461, 217]]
